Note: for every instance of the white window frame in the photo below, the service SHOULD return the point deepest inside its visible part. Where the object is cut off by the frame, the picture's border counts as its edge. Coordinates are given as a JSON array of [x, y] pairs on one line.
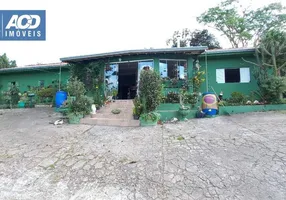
[[245, 76]]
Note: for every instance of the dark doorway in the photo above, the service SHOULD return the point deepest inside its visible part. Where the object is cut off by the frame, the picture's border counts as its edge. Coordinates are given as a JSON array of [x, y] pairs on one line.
[[127, 80]]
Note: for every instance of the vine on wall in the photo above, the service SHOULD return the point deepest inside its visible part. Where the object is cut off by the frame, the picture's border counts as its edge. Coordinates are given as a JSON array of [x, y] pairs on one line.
[[91, 74]]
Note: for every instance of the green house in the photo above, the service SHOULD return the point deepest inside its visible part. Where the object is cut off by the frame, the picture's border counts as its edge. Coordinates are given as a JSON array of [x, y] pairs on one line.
[[224, 70]]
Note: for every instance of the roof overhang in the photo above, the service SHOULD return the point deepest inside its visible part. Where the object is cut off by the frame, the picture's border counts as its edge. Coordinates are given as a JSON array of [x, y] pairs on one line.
[[39, 67], [183, 50], [226, 52]]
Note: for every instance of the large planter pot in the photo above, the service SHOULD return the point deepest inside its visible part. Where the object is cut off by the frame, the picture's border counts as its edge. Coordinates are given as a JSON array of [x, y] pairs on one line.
[[183, 112], [74, 119], [148, 122], [136, 117], [150, 119], [21, 104]]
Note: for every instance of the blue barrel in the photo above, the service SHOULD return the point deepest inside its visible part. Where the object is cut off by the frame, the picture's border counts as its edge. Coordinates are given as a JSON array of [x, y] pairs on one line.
[[61, 96], [209, 103]]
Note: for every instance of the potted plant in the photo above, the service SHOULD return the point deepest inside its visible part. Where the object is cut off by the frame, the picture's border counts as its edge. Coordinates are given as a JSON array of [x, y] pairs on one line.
[[114, 94], [109, 96], [12, 96], [183, 110], [136, 113], [137, 109], [74, 118], [23, 100], [150, 93], [149, 119], [80, 105]]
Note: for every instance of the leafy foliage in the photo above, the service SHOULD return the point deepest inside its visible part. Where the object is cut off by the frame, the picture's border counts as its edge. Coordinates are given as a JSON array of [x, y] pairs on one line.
[[75, 87], [272, 49], [195, 38], [241, 25], [271, 88], [138, 107], [11, 97], [6, 63], [271, 65], [46, 92], [150, 116], [198, 79], [91, 74], [204, 38], [184, 35], [150, 88], [237, 98], [172, 97], [191, 98], [82, 103]]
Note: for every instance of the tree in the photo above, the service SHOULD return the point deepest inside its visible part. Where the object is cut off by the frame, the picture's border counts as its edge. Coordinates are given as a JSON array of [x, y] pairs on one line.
[[185, 36], [195, 38], [204, 38], [271, 52], [6, 63], [271, 64], [242, 25]]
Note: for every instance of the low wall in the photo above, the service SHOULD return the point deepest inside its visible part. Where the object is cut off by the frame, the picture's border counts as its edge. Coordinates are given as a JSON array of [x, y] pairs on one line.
[[224, 110], [170, 110]]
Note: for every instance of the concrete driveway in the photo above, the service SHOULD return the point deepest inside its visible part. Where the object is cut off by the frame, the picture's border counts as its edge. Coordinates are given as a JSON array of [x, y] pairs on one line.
[[230, 157]]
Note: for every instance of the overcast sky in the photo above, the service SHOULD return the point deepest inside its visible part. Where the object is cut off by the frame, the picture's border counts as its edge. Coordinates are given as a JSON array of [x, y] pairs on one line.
[[80, 27]]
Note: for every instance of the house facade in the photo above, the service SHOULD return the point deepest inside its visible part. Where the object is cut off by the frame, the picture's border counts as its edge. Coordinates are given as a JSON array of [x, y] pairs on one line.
[[225, 70]]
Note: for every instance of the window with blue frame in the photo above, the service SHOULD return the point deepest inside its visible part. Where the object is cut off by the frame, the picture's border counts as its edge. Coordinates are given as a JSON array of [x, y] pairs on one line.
[[173, 69]]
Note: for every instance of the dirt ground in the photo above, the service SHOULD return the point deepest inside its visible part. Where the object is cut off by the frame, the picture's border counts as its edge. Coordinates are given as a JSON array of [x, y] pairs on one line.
[[228, 157]]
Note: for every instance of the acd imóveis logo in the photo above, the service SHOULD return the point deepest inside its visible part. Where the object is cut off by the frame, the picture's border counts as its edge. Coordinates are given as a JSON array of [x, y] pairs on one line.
[[22, 25]]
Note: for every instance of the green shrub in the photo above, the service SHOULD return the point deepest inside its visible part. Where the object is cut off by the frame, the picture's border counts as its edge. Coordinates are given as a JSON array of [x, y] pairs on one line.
[[271, 89], [237, 98], [81, 104], [46, 92], [75, 87], [138, 107], [172, 97], [11, 97], [150, 88], [151, 116], [191, 98]]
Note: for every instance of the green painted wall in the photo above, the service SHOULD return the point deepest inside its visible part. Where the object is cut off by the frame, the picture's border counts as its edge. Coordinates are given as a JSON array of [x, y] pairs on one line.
[[227, 61], [213, 62], [32, 78]]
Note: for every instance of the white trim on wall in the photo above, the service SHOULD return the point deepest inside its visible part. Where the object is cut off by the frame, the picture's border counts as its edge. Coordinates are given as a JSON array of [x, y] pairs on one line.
[[244, 75], [220, 76]]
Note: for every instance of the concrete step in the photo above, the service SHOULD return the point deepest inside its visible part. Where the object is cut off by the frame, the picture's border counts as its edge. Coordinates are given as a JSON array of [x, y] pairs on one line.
[[110, 122], [105, 117]]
